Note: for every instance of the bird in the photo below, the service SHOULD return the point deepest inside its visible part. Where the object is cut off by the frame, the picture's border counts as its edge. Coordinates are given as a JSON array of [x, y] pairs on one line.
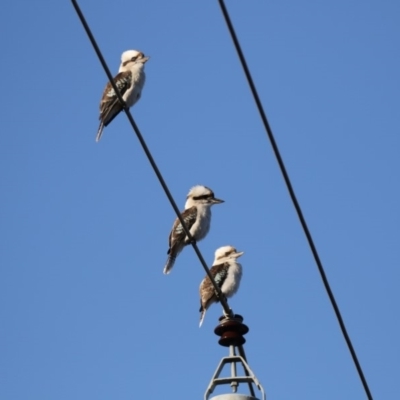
[[129, 81], [227, 273], [197, 217]]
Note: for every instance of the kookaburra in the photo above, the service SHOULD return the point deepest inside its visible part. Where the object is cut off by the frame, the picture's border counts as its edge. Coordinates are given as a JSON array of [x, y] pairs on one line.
[[129, 81], [227, 273], [197, 217]]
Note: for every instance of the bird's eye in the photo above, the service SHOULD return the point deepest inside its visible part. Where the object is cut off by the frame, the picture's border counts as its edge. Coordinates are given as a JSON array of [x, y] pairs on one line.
[[133, 58]]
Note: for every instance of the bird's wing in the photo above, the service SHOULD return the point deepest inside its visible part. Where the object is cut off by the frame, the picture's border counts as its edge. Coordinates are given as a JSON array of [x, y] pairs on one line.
[[177, 233], [219, 272], [207, 291], [109, 100]]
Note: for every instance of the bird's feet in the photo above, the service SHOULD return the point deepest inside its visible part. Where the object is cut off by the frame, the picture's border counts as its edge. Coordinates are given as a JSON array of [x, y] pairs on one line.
[[191, 241]]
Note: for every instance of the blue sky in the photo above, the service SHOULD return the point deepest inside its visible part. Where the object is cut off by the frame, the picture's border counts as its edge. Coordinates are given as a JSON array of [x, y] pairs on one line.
[[86, 311]]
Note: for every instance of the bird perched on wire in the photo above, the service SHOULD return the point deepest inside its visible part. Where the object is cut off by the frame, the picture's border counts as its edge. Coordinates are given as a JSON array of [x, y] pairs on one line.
[[197, 217], [129, 81], [227, 273]]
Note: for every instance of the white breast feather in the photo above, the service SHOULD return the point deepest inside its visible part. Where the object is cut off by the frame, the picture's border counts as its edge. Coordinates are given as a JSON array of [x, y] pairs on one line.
[[132, 95], [232, 281], [202, 225]]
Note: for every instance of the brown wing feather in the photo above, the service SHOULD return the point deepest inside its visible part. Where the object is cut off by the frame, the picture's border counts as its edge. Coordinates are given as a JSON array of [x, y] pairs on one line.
[[110, 107], [207, 291], [177, 233]]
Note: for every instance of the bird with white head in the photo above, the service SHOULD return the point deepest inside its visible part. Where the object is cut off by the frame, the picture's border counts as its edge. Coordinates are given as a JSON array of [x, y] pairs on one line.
[[129, 81], [227, 273], [197, 217]]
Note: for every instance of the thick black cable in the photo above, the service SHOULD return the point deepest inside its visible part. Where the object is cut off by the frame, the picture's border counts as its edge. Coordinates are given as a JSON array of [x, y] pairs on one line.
[[293, 197], [192, 241]]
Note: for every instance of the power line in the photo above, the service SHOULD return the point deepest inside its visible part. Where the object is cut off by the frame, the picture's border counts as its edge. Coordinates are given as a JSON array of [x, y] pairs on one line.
[[192, 241], [293, 197], [221, 297]]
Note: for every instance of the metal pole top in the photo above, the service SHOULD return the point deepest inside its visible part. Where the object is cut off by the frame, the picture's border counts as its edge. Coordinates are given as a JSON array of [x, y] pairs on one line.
[[234, 396]]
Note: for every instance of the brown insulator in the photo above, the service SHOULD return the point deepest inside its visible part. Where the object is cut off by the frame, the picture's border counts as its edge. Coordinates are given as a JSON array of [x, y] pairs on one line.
[[231, 331]]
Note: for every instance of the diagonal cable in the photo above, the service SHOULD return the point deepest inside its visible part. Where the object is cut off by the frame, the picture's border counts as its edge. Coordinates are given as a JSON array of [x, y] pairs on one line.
[[228, 311], [192, 241], [293, 197]]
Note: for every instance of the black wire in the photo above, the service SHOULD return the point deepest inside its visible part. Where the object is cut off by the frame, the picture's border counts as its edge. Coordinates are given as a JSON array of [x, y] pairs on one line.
[[293, 197], [192, 241]]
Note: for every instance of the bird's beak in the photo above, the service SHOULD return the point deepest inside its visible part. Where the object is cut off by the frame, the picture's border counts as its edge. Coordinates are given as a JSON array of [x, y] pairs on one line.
[[144, 59], [217, 201], [239, 253]]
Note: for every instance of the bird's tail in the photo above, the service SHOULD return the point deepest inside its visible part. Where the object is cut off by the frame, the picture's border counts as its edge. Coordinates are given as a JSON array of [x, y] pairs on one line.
[[100, 131], [170, 263], [202, 315]]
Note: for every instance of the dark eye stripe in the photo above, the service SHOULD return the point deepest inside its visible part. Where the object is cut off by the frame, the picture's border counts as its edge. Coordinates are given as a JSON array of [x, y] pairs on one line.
[[204, 197], [128, 61]]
